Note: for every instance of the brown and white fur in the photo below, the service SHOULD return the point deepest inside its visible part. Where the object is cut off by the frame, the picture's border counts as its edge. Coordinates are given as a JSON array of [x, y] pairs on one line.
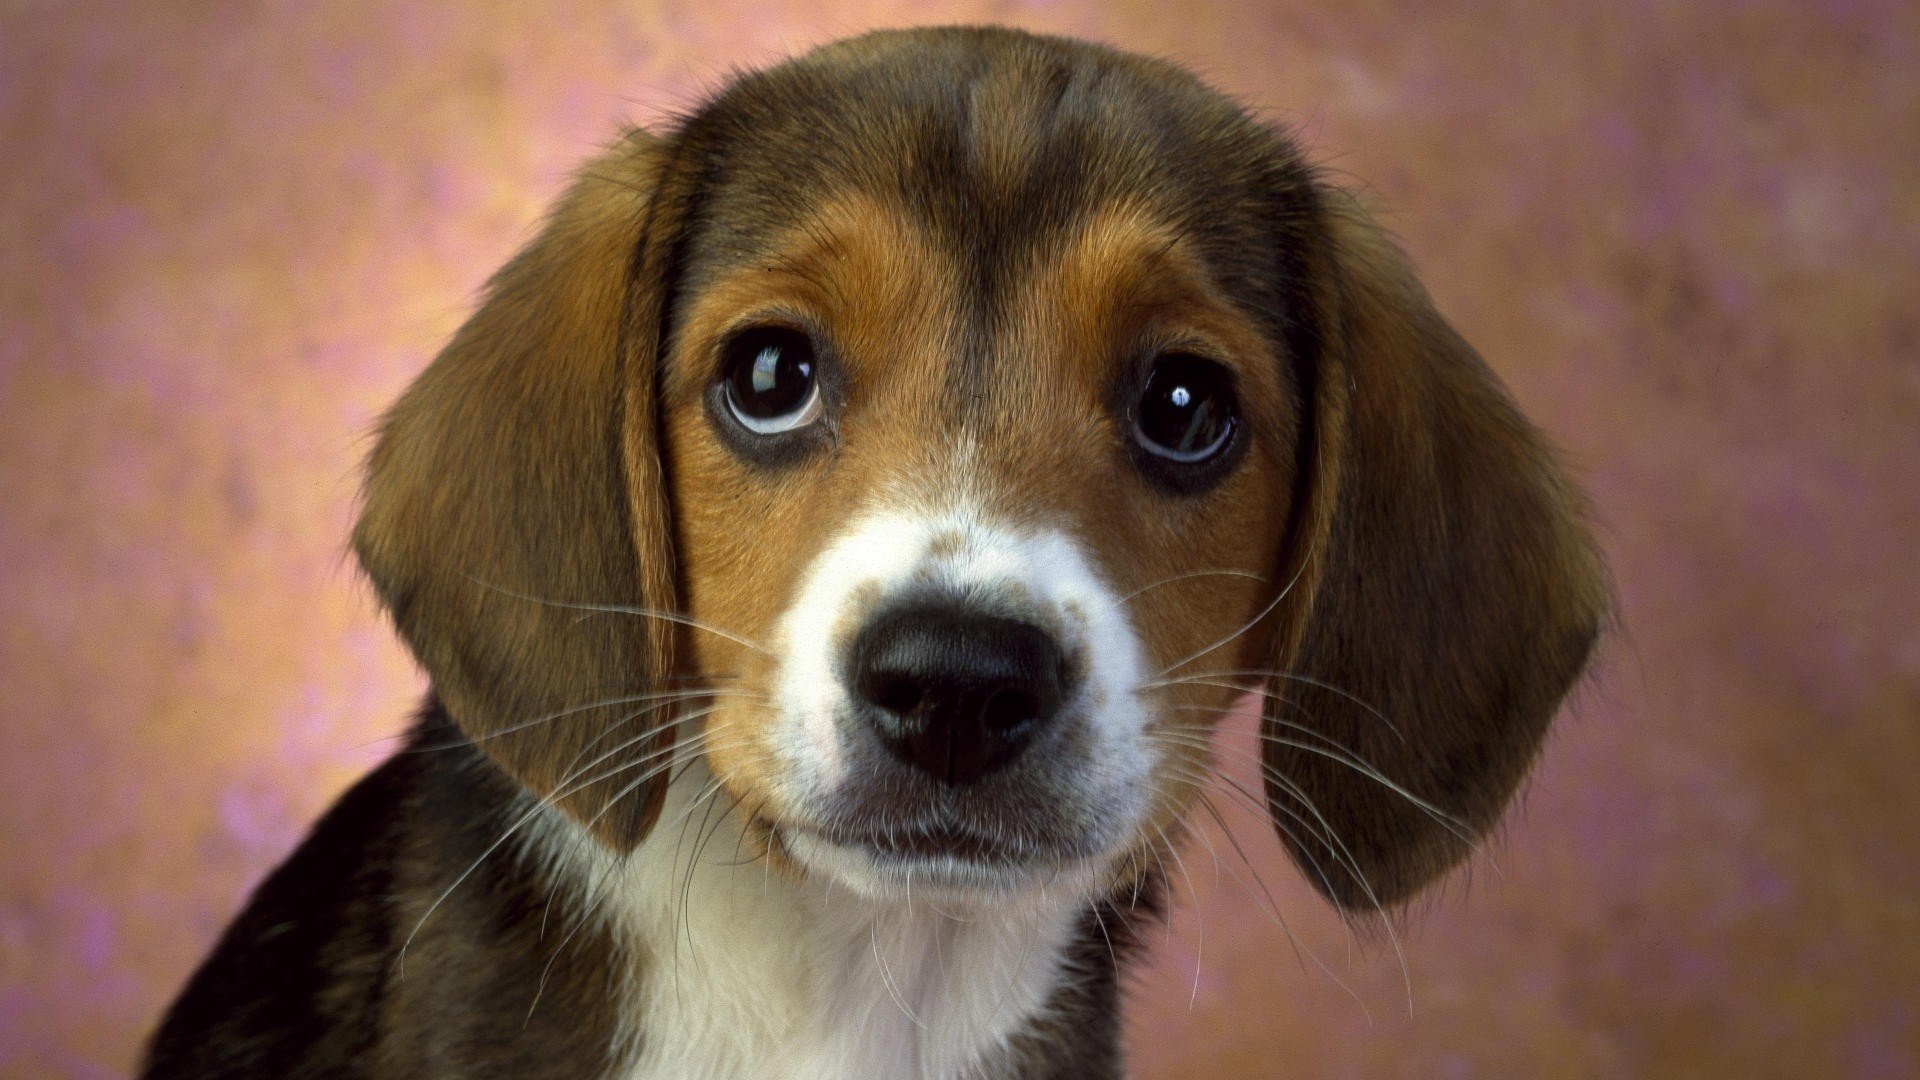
[[668, 813]]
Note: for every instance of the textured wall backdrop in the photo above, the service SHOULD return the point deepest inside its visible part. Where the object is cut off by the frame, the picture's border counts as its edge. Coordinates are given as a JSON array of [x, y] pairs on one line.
[[1684, 233]]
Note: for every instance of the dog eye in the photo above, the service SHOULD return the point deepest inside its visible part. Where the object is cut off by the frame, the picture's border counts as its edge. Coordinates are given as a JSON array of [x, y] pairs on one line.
[[770, 379], [1186, 412]]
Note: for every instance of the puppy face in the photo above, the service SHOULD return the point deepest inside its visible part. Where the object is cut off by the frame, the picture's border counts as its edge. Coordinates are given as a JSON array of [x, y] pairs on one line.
[[962, 418], [970, 464]]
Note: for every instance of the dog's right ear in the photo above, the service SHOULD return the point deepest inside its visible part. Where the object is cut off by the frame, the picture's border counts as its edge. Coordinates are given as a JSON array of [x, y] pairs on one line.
[[516, 493]]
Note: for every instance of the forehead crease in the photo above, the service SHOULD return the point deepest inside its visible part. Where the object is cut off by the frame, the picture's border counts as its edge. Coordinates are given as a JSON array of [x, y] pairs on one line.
[[868, 242], [1033, 159], [1112, 253], [1128, 277], [1097, 277]]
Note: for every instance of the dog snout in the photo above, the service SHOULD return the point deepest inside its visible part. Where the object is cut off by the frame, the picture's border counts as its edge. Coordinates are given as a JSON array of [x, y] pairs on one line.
[[954, 693]]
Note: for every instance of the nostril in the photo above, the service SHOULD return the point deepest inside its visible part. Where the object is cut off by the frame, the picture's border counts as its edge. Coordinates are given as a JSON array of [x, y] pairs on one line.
[[1008, 710], [899, 695]]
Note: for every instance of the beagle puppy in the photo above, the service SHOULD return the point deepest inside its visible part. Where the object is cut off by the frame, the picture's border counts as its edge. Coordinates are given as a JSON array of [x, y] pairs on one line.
[[831, 544]]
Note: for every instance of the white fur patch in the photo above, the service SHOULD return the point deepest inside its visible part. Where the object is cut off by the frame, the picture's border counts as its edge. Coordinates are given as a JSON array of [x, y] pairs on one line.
[[740, 974]]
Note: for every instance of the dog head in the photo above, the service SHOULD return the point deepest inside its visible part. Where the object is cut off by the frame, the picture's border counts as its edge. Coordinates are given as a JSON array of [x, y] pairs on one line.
[[937, 433]]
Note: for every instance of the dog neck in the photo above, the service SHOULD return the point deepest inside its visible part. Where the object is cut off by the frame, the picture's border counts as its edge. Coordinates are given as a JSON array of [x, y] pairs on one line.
[[734, 969]]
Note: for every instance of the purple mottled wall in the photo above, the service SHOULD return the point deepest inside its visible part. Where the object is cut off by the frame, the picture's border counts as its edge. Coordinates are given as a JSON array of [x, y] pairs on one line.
[[1685, 234]]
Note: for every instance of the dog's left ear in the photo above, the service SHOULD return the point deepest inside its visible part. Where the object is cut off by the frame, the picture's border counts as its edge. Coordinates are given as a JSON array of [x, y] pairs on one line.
[[517, 486], [1448, 592]]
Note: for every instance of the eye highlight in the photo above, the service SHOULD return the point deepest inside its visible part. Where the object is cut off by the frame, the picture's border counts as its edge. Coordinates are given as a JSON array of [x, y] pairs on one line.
[[1186, 413], [770, 379]]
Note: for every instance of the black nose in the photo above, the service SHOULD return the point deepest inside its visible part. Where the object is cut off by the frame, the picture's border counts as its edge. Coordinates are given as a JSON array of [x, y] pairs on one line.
[[953, 693]]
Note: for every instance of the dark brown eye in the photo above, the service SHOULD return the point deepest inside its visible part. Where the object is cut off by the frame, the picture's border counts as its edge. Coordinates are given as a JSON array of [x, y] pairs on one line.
[[1186, 413], [770, 379]]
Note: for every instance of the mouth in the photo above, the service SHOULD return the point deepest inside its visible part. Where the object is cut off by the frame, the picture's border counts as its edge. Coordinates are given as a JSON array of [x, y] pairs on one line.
[[928, 842], [945, 859]]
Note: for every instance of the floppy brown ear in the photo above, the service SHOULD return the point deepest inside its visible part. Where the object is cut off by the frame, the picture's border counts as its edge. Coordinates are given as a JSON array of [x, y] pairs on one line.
[[1452, 592], [517, 480]]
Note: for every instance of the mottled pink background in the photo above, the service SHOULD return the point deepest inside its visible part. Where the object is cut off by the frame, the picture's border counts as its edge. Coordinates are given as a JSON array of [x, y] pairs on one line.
[[1684, 233]]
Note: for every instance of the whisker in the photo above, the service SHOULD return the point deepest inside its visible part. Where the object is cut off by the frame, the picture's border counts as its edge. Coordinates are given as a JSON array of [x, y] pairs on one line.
[[627, 609], [1461, 830], [1294, 725], [1251, 623], [644, 736], [1272, 908], [400, 960], [598, 890], [1262, 808], [689, 744], [1100, 920], [664, 697], [1188, 575], [561, 790], [1200, 679], [741, 838], [682, 919], [886, 975], [693, 859], [1199, 919], [1359, 876], [1258, 807]]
